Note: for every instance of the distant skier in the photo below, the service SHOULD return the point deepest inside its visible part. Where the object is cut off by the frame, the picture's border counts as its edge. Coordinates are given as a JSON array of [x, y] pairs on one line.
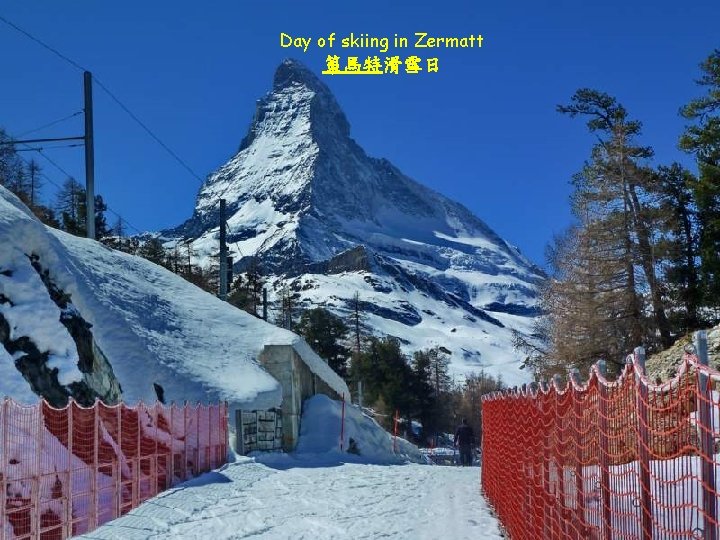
[[464, 440]]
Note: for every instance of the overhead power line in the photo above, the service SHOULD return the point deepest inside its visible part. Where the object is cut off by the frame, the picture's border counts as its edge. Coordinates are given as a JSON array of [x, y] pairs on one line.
[[37, 148], [50, 124], [147, 129], [42, 44], [58, 186], [103, 87]]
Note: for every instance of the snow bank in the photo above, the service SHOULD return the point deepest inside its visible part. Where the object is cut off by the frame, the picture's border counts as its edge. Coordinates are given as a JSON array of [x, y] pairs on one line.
[[320, 434], [153, 326]]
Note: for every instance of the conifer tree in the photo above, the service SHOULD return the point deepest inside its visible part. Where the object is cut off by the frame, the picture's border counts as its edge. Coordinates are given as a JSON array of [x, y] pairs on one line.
[[154, 251], [702, 139], [611, 195], [325, 333]]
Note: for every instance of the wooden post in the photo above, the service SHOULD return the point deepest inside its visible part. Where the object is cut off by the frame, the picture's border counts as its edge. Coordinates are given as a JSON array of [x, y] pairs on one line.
[[642, 397], [707, 444], [605, 499]]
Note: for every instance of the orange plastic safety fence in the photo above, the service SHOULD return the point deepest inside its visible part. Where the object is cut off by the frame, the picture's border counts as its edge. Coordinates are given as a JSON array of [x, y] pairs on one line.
[[606, 460], [64, 472]]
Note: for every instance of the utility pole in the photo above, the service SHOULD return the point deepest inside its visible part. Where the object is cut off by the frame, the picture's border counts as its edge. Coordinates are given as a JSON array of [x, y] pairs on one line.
[[264, 303], [89, 158], [223, 253]]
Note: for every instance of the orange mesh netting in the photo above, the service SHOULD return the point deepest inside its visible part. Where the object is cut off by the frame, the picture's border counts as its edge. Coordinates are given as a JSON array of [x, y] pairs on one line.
[[66, 471], [606, 460]]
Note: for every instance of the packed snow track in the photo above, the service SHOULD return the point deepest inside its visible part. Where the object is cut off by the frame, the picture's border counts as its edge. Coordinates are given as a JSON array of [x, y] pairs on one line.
[[286, 498]]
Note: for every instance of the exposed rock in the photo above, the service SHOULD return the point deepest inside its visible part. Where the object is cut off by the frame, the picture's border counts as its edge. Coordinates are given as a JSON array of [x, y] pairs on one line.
[[353, 260], [98, 381], [664, 365]]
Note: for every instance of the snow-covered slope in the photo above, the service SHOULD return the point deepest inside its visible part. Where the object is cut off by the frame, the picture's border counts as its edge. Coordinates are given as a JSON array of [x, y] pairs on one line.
[[151, 325], [312, 207]]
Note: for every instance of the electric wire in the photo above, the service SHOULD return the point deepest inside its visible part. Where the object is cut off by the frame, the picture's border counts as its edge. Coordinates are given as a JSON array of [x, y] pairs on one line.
[[70, 176], [21, 135], [112, 96]]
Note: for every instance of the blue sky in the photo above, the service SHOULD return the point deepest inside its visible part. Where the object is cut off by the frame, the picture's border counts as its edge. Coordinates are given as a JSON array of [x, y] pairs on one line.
[[483, 130]]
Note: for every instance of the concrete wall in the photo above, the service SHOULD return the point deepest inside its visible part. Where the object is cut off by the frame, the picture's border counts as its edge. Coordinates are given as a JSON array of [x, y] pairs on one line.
[[298, 383]]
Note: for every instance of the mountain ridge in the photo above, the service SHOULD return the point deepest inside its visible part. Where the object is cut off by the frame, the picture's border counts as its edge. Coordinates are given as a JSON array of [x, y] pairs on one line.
[[302, 194]]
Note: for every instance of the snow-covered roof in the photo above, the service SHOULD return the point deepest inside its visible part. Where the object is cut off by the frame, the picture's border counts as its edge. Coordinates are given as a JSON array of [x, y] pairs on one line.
[[151, 324], [321, 368]]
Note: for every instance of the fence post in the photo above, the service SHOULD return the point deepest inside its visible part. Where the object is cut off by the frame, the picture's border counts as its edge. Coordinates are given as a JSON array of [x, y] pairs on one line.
[[557, 454], [642, 397], [120, 460], [185, 444], [3, 480], [342, 424], [574, 383], [604, 452], [95, 499], [198, 408], [395, 430], [35, 489], [707, 444], [71, 470], [226, 431], [545, 460]]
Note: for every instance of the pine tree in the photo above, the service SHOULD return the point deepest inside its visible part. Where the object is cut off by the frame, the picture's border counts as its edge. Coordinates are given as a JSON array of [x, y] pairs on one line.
[[34, 181], [431, 387], [12, 173], [246, 293], [702, 139], [679, 247], [154, 251], [325, 333], [386, 375], [101, 226], [70, 206], [612, 191]]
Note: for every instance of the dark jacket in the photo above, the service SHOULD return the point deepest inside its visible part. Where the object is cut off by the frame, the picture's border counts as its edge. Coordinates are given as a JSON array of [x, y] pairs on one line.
[[464, 436]]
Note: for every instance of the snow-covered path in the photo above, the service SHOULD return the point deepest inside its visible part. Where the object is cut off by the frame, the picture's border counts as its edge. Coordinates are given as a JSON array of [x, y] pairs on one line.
[[314, 500]]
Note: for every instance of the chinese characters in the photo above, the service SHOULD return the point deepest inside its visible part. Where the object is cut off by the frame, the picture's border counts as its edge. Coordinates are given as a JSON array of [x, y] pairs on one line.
[[373, 65]]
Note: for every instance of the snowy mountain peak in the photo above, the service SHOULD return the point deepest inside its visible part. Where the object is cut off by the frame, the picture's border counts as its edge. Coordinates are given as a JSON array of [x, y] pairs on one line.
[[291, 72], [302, 197]]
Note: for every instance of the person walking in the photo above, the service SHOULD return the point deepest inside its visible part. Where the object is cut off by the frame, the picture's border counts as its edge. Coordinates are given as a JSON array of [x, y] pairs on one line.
[[464, 440]]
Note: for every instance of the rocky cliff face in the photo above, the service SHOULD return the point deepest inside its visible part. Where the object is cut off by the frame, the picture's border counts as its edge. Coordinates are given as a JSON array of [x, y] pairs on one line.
[[312, 207], [32, 353]]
